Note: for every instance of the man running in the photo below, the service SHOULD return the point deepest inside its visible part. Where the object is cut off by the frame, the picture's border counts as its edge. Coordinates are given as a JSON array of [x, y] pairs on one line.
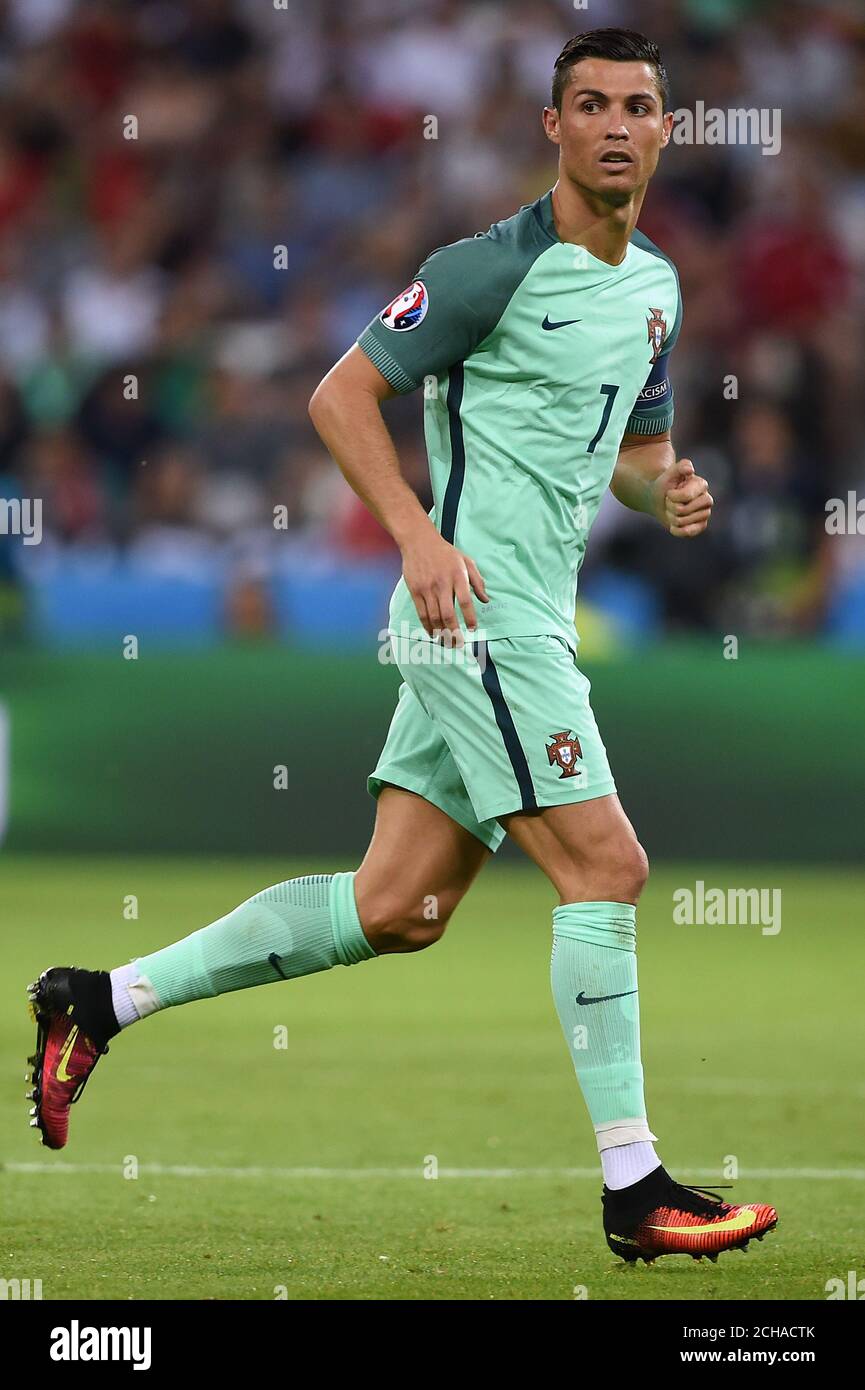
[[543, 348]]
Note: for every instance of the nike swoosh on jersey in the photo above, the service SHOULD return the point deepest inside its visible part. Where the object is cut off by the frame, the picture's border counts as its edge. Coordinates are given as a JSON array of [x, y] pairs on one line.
[[742, 1221], [599, 999], [562, 324], [61, 1073]]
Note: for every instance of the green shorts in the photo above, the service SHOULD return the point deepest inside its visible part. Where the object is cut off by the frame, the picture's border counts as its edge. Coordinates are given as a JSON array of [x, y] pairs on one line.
[[500, 726]]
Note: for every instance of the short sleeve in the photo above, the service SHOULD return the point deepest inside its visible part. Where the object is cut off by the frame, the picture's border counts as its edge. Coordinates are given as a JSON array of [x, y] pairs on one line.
[[453, 303]]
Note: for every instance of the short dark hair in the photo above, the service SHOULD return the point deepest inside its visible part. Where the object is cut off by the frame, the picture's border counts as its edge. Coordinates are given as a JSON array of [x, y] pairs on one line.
[[619, 45]]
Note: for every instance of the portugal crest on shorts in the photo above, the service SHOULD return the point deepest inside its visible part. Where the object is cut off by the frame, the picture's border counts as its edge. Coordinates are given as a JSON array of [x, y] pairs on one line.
[[565, 751], [657, 331]]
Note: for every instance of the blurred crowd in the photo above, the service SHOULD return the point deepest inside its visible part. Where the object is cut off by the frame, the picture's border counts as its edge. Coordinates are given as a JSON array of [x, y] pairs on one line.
[[203, 202]]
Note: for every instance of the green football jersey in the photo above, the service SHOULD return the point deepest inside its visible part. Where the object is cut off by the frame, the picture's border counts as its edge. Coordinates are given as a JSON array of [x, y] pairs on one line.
[[535, 358]]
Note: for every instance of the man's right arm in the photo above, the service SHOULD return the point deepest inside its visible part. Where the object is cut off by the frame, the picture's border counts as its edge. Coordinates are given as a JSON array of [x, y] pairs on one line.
[[346, 411]]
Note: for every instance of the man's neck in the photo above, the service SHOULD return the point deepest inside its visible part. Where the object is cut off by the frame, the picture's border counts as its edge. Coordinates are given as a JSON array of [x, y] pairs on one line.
[[588, 221]]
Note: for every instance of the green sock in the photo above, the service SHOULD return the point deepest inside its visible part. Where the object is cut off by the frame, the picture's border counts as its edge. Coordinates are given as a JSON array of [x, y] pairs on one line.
[[294, 928], [593, 972]]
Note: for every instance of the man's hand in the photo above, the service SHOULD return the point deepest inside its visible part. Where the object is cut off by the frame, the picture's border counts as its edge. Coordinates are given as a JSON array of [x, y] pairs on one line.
[[683, 503], [436, 573]]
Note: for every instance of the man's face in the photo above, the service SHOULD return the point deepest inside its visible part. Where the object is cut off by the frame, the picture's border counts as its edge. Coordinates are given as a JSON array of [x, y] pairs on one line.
[[612, 127]]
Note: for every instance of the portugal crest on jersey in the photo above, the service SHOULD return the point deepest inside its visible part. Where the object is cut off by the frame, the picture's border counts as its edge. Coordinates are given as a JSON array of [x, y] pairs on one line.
[[408, 309], [564, 751], [657, 331]]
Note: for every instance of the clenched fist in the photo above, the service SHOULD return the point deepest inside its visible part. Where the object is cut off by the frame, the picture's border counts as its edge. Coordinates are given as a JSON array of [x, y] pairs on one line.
[[683, 502]]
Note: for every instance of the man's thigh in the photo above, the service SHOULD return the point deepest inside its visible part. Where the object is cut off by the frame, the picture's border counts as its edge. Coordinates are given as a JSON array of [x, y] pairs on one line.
[[420, 862], [588, 850]]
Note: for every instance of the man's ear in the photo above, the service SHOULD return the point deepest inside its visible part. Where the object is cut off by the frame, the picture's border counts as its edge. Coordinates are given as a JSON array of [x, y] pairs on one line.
[[669, 118], [550, 119]]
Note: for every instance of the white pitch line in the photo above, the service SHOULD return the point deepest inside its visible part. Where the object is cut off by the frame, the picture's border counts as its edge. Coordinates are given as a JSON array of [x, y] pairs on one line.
[[180, 1170]]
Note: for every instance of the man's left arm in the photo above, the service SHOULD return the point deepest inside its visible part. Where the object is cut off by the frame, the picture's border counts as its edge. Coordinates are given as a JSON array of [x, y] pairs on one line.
[[649, 478]]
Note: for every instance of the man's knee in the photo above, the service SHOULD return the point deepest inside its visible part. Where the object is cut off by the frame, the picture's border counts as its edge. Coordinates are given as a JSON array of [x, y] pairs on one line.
[[391, 924], [635, 867], [626, 865], [615, 871]]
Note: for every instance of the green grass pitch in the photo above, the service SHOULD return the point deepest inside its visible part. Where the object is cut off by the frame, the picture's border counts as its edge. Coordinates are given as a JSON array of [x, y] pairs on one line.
[[298, 1171]]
